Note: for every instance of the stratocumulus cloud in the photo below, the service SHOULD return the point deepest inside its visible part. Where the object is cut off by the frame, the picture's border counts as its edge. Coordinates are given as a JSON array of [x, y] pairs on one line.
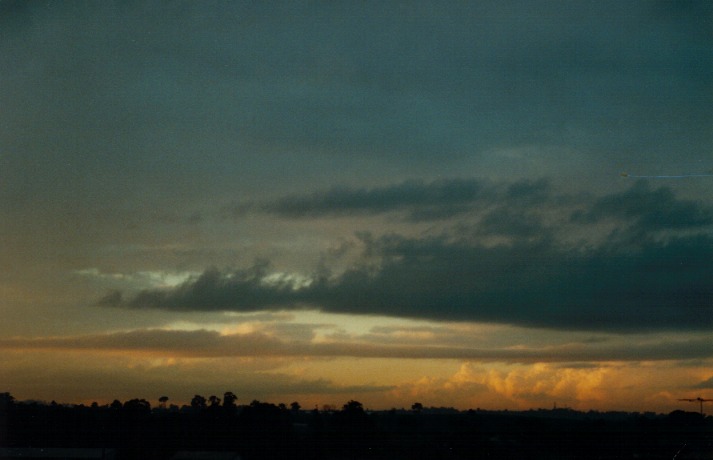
[[650, 272], [441, 198], [650, 209], [211, 344], [414, 200]]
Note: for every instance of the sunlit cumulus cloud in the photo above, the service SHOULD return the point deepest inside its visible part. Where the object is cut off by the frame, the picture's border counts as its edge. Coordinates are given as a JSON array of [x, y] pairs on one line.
[[535, 386], [547, 385], [508, 263]]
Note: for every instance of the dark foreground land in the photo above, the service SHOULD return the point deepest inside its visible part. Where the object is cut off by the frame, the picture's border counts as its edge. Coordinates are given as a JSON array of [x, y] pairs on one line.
[[133, 430]]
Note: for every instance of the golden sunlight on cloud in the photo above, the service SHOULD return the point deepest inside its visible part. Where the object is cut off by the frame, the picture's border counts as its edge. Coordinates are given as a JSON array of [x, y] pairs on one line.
[[377, 382], [382, 363], [603, 386], [541, 381], [491, 386]]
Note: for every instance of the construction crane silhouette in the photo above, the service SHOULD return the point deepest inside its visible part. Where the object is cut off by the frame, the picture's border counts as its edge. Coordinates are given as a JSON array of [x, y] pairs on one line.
[[698, 399]]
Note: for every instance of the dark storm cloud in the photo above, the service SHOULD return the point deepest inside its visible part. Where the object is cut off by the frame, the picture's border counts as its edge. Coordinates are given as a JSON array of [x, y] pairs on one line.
[[416, 200], [509, 222], [214, 290], [656, 209], [433, 200], [635, 280], [660, 286]]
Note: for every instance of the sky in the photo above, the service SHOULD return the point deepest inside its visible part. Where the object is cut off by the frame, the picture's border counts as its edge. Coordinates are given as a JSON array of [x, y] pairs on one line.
[[391, 202]]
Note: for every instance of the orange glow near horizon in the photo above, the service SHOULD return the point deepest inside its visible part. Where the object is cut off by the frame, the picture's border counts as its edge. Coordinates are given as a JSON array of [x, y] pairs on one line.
[[90, 376]]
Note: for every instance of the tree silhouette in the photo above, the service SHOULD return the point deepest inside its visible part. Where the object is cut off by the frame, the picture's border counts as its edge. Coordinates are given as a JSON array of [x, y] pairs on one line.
[[137, 405], [353, 415], [162, 401], [229, 399], [6, 400], [353, 428], [264, 430], [198, 402], [353, 407], [214, 401]]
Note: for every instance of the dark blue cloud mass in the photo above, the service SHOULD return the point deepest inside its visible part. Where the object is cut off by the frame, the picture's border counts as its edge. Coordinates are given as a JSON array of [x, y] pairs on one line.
[[650, 209], [636, 278], [421, 200]]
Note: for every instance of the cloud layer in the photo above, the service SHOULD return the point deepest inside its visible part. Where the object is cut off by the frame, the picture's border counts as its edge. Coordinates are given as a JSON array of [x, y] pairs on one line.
[[505, 262], [212, 344]]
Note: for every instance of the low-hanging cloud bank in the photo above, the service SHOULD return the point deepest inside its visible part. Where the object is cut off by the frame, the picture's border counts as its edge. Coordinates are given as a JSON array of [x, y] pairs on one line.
[[651, 271], [528, 284]]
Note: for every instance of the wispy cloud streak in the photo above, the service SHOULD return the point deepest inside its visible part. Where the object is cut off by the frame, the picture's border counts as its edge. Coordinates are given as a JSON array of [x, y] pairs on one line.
[[211, 344]]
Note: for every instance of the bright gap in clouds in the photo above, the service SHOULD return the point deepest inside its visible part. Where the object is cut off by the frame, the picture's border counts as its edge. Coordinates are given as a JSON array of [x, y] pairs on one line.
[[326, 326], [295, 280], [146, 279]]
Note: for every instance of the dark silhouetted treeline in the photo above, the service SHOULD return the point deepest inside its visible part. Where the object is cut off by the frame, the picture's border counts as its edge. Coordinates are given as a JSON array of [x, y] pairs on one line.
[[261, 430]]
